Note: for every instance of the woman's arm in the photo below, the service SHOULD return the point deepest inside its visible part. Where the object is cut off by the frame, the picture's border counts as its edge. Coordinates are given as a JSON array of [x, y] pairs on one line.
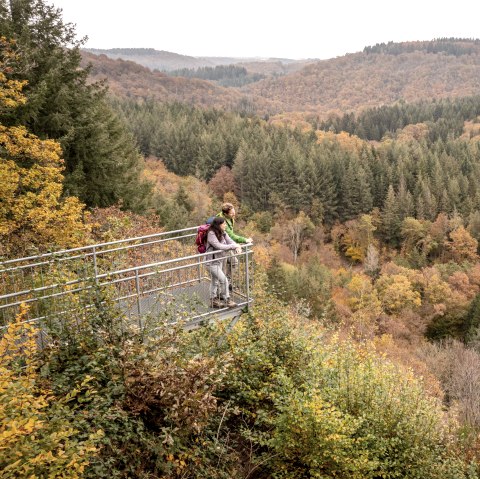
[[229, 240], [217, 245]]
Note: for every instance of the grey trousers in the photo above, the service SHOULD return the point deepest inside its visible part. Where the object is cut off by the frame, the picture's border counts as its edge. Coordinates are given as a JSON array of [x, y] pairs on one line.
[[232, 264], [219, 284]]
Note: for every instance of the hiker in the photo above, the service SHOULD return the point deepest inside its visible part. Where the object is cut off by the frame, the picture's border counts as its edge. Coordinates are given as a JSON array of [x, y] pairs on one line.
[[228, 212], [218, 239]]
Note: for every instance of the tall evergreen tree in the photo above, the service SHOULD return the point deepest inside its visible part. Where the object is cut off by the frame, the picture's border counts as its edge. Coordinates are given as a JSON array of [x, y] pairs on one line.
[[102, 165], [391, 222]]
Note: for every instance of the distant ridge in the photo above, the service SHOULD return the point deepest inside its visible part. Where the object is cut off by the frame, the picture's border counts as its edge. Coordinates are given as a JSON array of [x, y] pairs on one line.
[[129, 79], [380, 75], [151, 58], [168, 61], [448, 46]]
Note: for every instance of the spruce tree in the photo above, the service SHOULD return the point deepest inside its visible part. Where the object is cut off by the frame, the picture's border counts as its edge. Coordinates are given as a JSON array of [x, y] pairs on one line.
[[391, 222], [102, 165]]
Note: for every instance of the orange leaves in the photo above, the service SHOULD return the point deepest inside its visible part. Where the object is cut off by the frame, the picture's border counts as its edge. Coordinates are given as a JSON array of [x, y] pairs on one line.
[[462, 245]]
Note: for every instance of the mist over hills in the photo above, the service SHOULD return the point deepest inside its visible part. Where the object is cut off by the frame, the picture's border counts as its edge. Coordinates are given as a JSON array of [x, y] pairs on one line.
[[167, 61]]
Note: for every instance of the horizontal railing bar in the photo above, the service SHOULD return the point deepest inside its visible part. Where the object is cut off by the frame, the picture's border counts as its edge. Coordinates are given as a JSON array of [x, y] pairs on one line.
[[170, 286], [43, 288], [176, 260], [141, 244], [40, 298], [44, 263], [86, 255], [209, 313], [98, 245], [128, 270]]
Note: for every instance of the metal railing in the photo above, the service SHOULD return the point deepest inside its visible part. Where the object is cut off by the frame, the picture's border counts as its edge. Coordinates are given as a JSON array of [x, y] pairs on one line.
[[152, 274]]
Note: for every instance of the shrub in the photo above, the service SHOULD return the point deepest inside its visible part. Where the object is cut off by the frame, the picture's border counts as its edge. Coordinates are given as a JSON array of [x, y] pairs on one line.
[[37, 437]]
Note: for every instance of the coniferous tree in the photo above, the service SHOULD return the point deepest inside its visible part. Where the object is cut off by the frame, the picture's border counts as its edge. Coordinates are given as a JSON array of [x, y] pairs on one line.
[[101, 163], [391, 222]]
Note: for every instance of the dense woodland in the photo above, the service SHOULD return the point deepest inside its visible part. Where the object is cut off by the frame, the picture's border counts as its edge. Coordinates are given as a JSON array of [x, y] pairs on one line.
[[361, 356], [449, 46], [229, 75], [332, 178], [434, 119], [414, 71]]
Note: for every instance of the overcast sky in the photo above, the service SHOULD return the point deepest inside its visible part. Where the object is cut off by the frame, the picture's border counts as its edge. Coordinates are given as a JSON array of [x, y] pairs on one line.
[[266, 28]]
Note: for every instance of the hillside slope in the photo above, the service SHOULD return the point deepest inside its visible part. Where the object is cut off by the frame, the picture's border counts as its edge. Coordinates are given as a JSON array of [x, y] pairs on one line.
[[362, 80], [151, 58], [168, 61], [128, 79], [381, 75]]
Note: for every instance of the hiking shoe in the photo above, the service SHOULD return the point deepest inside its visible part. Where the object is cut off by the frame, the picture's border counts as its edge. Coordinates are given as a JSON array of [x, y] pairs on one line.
[[216, 303], [230, 304]]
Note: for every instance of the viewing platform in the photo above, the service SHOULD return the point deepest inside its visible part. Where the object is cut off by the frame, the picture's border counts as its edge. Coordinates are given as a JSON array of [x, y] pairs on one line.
[[155, 275]]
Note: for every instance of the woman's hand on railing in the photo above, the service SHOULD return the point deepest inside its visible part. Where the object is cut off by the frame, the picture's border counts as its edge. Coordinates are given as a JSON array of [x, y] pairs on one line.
[[238, 250]]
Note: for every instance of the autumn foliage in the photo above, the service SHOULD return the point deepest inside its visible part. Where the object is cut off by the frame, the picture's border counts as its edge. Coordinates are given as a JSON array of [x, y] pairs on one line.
[[37, 438], [33, 213]]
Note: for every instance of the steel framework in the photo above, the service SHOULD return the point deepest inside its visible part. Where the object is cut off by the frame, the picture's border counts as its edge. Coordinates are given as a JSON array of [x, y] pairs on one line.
[[142, 275]]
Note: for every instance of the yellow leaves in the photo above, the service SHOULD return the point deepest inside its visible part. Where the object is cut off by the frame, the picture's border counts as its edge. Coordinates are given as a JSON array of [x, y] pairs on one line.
[[348, 142], [32, 211], [31, 206], [396, 293], [36, 439], [10, 90], [355, 253], [18, 144], [436, 290]]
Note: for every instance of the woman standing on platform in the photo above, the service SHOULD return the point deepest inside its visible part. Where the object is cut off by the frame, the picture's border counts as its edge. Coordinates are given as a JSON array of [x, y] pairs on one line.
[[218, 239]]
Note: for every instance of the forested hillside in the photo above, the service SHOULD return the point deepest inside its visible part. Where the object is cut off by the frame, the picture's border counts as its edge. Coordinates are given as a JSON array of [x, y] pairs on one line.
[[360, 357], [331, 178], [229, 75], [437, 119], [168, 61], [151, 58], [378, 77], [128, 79]]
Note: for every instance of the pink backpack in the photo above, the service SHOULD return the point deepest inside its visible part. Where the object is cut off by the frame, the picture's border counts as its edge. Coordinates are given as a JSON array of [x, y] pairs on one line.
[[202, 233], [201, 239]]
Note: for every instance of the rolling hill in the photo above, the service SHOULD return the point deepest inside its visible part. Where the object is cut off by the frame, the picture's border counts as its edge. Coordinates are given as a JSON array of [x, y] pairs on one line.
[[380, 75], [129, 79], [167, 61], [412, 71]]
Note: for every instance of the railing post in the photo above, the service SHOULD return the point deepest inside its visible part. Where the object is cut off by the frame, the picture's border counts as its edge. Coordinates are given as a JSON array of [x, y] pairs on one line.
[[137, 287], [247, 274], [95, 269], [199, 267]]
